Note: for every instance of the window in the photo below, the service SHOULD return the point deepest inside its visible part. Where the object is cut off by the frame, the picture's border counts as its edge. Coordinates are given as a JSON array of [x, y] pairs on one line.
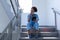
[[25, 5]]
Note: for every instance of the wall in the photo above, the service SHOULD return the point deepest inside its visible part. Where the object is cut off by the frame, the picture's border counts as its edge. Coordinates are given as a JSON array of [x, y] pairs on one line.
[[24, 18], [50, 14], [53, 4]]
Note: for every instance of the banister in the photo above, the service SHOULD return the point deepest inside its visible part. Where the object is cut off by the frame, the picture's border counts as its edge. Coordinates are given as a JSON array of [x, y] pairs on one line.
[[55, 11], [13, 7], [6, 28], [10, 20]]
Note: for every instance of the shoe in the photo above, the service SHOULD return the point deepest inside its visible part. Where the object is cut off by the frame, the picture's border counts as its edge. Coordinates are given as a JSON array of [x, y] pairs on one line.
[[31, 35]]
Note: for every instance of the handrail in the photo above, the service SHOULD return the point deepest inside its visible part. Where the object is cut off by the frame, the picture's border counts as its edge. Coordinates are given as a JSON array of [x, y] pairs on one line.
[[6, 28], [10, 20], [13, 7], [55, 11], [55, 17]]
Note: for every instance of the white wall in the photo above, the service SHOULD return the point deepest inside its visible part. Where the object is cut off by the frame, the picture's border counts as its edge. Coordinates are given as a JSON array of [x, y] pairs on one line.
[[50, 14], [24, 18], [53, 4]]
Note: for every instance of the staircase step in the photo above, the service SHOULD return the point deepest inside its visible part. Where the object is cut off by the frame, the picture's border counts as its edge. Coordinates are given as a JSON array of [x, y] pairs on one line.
[[41, 29], [46, 33], [39, 26], [42, 34], [43, 38]]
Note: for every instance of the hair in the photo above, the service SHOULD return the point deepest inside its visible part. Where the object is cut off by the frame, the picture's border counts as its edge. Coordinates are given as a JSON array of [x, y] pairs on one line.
[[35, 9]]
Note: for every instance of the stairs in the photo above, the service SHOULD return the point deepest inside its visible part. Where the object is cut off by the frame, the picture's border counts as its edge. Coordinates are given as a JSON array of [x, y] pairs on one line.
[[46, 33]]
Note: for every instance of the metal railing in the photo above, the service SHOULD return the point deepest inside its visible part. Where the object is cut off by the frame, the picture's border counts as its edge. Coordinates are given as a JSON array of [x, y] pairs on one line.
[[7, 33], [55, 13]]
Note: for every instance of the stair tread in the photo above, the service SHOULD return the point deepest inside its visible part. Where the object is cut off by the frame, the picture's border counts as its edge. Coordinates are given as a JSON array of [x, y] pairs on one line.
[[41, 32], [41, 27], [41, 37]]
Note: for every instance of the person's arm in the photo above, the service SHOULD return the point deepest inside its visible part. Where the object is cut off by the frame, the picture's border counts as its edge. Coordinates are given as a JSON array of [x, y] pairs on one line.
[[37, 18], [28, 18]]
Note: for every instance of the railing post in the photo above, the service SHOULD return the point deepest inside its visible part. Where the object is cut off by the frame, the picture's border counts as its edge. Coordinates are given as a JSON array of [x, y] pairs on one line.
[[10, 31], [55, 20], [55, 17]]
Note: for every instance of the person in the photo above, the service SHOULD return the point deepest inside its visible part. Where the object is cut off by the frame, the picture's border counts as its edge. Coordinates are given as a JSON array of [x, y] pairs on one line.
[[33, 22]]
